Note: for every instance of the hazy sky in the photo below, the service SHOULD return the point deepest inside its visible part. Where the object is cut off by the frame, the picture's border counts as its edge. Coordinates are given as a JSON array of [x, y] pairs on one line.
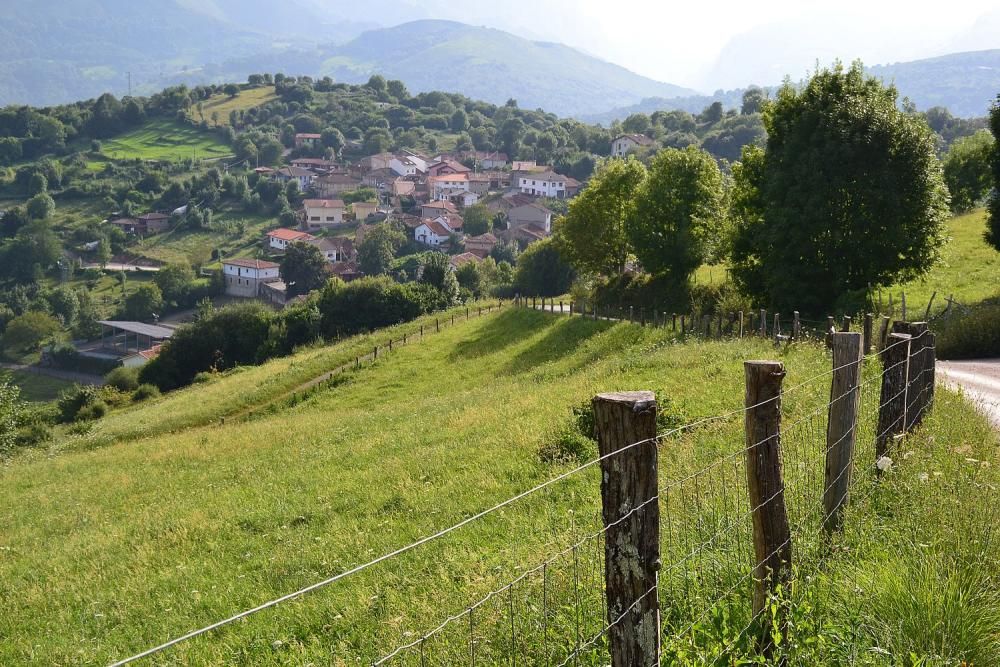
[[729, 43]]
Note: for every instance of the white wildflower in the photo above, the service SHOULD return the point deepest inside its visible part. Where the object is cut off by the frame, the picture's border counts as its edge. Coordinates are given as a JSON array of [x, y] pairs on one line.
[[884, 463]]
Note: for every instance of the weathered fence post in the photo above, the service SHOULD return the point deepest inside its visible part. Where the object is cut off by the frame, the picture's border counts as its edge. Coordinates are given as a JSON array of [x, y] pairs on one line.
[[763, 323], [642, 317], [831, 327], [845, 325], [561, 306], [772, 538], [841, 428], [683, 327], [867, 330], [776, 329], [453, 316], [902, 307], [916, 370], [390, 345], [632, 545], [796, 326], [375, 353], [892, 397], [631, 311], [741, 324], [673, 321], [437, 325], [467, 314], [883, 331]]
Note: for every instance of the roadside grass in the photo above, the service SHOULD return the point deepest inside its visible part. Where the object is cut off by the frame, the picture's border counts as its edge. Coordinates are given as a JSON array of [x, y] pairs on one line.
[[222, 104], [162, 519], [163, 139], [36, 388]]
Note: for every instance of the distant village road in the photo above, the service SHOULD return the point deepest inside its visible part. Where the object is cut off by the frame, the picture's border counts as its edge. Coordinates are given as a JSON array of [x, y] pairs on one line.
[[979, 379]]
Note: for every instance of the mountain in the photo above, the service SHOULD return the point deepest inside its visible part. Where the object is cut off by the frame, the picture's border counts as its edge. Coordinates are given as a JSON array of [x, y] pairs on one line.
[[965, 83], [493, 65]]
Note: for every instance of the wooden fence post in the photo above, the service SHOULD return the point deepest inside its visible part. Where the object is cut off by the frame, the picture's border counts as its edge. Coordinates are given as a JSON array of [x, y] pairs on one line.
[[841, 428], [632, 546], [375, 353], [673, 321], [772, 538], [846, 323], [741, 324], [796, 326], [915, 372], [453, 318], [631, 311], [437, 325], [763, 323], [883, 331], [390, 345], [892, 397], [467, 314], [867, 330], [683, 328], [776, 329]]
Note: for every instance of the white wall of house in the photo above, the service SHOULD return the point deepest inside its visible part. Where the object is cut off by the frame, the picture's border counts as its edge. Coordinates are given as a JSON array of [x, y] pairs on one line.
[[321, 216], [542, 188], [442, 184], [621, 146], [427, 236], [245, 281]]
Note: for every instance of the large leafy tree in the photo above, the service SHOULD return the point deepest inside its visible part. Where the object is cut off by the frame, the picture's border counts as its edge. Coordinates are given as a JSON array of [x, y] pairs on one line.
[[378, 249], [592, 235], [303, 268], [850, 194], [679, 213], [967, 170], [542, 271], [993, 219]]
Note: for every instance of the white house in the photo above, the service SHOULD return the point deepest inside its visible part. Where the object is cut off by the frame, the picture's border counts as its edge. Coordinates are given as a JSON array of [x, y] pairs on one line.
[[431, 232], [335, 249], [303, 177], [407, 165], [244, 277], [543, 184], [626, 143], [322, 213], [280, 239], [461, 198], [440, 187]]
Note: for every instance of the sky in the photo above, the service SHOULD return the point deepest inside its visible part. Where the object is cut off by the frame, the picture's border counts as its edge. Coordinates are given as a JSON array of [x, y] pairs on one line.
[[729, 44]]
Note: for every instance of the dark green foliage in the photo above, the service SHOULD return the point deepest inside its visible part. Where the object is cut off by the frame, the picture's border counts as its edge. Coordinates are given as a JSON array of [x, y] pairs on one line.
[[229, 337], [850, 195], [967, 170], [370, 303], [993, 218], [28, 331], [379, 247], [175, 282], [542, 271], [144, 392], [123, 379], [678, 213], [303, 268], [75, 400], [145, 303], [975, 335]]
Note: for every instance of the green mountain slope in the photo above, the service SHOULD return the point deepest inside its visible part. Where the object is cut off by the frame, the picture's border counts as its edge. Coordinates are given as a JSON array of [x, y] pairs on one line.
[[965, 83], [493, 65]]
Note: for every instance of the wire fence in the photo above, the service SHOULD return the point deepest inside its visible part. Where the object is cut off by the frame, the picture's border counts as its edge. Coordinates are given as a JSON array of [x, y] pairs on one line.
[[705, 596]]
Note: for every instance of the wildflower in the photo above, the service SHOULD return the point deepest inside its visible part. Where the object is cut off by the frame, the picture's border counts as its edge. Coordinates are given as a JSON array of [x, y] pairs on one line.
[[883, 464]]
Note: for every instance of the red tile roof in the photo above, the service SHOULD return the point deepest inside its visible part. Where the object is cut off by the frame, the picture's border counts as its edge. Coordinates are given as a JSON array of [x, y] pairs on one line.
[[323, 203], [252, 263], [290, 235]]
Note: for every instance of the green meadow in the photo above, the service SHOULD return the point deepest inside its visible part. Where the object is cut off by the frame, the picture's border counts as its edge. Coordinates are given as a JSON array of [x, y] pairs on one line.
[[163, 139], [166, 517]]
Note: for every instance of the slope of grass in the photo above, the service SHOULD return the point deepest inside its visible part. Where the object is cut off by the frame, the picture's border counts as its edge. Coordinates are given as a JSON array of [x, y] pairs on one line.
[[163, 519], [223, 104], [163, 139], [35, 387]]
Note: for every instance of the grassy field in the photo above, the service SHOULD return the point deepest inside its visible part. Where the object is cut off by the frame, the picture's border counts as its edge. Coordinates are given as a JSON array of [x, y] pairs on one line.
[[163, 518], [163, 139], [37, 388], [969, 268], [195, 246], [223, 104]]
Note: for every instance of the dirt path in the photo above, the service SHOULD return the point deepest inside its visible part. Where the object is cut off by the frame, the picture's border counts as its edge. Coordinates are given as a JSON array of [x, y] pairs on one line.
[[979, 379]]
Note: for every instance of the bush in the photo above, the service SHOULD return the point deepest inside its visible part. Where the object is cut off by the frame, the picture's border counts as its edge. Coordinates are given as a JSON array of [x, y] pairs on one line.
[[123, 379], [145, 392], [566, 446], [32, 435], [95, 410], [203, 377], [73, 400], [369, 303], [970, 336]]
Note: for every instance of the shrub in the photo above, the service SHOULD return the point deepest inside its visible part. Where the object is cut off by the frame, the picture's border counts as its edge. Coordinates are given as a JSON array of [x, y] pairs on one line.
[[567, 445], [145, 392], [73, 400], [123, 379], [32, 435], [203, 377], [95, 410], [976, 334]]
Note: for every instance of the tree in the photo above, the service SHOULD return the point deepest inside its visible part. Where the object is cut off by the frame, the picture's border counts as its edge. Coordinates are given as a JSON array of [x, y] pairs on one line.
[[542, 270], [269, 150], [144, 303], [303, 268], [967, 170], [993, 217], [592, 235], [438, 274], [712, 113], [40, 207], [231, 89], [850, 195], [175, 281], [469, 277], [678, 214], [459, 121], [333, 139], [378, 249], [38, 184], [35, 249], [13, 220], [753, 100], [27, 332], [476, 220]]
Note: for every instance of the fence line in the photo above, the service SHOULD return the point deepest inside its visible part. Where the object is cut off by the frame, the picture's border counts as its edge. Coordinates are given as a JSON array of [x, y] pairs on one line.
[[732, 531]]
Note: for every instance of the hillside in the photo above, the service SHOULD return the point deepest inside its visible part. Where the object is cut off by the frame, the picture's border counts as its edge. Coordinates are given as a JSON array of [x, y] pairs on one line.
[[965, 83], [188, 518], [492, 65]]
